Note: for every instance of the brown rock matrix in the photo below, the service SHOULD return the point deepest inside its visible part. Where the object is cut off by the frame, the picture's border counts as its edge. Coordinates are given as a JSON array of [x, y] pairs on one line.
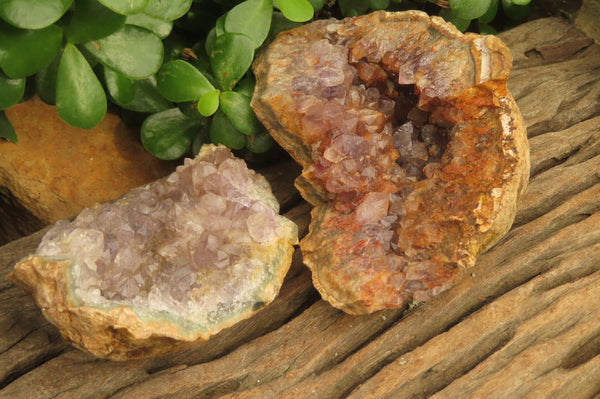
[[168, 264], [414, 153], [56, 170]]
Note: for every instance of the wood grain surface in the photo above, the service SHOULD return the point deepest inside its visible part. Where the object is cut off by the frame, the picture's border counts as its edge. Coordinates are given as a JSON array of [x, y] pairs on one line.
[[524, 324]]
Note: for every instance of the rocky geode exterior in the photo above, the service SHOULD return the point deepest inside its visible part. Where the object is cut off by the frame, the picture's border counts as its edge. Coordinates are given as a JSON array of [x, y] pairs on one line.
[[391, 224], [166, 266]]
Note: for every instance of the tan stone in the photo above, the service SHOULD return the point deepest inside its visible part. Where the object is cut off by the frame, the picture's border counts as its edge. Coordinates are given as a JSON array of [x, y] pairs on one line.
[[55, 170]]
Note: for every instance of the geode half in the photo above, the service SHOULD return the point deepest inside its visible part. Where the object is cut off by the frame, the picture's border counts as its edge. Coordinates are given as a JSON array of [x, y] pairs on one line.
[[414, 153], [168, 264]]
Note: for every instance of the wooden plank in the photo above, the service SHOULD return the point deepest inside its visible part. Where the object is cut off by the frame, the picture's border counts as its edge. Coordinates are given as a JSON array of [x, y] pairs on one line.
[[526, 323]]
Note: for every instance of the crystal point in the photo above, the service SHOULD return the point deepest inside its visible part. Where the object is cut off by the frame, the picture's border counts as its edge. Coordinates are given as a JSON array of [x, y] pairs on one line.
[[164, 260], [401, 161]]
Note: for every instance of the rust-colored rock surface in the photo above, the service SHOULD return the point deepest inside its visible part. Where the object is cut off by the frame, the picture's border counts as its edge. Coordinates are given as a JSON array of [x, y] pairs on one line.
[[55, 170], [414, 153], [167, 265]]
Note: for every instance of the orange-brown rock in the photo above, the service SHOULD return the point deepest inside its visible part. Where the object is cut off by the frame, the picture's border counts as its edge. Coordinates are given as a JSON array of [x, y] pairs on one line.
[[414, 153], [55, 170]]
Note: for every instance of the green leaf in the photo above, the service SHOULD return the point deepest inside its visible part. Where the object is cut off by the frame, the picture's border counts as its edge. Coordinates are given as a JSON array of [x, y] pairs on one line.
[[379, 4], [352, 8], [515, 11], [220, 25], [317, 4], [190, 109], [209, 103], [211, 37], [131, 50], [200, 60], [486, 29], [7, 130], [12, 90], [33, 14], [221, 131], [237, 108], [45, 81], [173, 49], [450, 16], [120, 87], [253, 19], [230, 58], [168, 134], [201, 138], [90, 58], [24, 52], [91, 20], [521, 2], [29, 89], [167, 10], [179, 81], [246, 85], [80, 98], [279, 23], [260, 142], [296, 10], [125, 7], [469, 9], [132, 119], [147, 98], [490, 14], [134, 95], [161, 28]]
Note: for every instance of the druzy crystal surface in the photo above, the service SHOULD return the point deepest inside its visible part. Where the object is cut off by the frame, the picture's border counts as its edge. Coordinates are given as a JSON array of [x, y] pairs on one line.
[[413, 151], [199, 249]]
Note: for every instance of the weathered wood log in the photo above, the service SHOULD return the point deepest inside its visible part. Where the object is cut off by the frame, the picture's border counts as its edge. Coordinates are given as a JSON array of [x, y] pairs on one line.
[[525, 324], [11, 210]]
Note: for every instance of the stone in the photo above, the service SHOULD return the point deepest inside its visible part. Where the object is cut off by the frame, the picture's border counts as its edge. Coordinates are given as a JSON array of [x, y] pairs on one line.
[[56, 170], [414, 167], [166, 266]]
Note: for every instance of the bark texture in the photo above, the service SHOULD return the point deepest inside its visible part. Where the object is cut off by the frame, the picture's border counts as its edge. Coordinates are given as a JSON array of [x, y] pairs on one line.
[[526, 323]]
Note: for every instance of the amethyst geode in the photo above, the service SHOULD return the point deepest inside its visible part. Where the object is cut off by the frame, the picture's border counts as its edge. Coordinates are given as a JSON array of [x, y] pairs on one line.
[[168, 264], [413, 151]]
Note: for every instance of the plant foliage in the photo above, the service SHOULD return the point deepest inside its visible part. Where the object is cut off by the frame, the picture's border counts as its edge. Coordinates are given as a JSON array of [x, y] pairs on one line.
[[182, 67]]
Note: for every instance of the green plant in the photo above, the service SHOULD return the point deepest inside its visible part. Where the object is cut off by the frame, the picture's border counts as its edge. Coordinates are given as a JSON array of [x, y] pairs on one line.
[[181, 67], [212, 86], [61, 46], [478, 15], [77, 54]]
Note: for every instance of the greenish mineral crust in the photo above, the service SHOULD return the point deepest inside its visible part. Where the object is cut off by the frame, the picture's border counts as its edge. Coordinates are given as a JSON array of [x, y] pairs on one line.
[[169, 263]]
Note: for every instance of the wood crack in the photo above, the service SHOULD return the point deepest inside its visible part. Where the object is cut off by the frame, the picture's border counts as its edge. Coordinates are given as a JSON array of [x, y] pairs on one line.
[[555, 148], [583, 354], [29, 364]]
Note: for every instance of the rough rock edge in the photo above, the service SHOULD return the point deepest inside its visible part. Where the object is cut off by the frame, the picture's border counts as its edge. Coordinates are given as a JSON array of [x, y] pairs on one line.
[[119, 333], [493, 62]]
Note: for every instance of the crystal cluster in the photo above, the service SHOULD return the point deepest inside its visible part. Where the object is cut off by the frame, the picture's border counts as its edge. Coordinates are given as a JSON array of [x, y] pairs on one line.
[[404, 129], [199, 249], [358, 122]]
